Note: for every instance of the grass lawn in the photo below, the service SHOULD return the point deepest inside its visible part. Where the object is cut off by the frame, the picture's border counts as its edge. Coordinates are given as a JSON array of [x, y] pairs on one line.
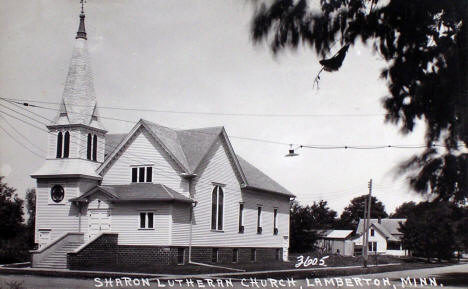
[[331, 261]]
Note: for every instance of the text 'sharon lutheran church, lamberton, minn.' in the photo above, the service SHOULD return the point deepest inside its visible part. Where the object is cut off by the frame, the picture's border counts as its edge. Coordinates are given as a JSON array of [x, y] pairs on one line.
[[153, 196]]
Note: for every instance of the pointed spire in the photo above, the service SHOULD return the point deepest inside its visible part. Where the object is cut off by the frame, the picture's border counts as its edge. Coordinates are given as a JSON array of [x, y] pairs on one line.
[[79, 105], [81, 29]]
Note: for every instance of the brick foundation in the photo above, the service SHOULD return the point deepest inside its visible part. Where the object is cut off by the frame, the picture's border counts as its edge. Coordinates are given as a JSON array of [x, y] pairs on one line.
[[105, 252]]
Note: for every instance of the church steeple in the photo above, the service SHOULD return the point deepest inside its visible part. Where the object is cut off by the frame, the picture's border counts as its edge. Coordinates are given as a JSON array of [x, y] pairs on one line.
[[79, 106]]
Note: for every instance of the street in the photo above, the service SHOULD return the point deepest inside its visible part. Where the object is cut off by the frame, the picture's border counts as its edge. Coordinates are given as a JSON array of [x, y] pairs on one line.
[[448, 277]]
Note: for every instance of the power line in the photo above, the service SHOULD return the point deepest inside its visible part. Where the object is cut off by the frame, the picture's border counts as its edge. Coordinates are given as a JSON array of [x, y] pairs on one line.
[[138, 160], [21, 144], [26, 103], [20, 134], [319, 147]]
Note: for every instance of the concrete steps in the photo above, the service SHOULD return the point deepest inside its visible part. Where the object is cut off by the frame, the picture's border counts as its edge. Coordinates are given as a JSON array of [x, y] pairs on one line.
[[58, 259]]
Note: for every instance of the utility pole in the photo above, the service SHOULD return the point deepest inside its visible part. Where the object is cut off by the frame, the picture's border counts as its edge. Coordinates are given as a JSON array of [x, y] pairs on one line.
[[364, 241], [367, 223]]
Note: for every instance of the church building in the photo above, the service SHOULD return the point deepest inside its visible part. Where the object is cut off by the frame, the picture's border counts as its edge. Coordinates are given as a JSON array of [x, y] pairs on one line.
[[155, 195]]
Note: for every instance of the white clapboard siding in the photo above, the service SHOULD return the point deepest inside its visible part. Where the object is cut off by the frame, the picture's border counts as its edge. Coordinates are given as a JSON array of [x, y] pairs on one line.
[[143, 150], [218, 168], [63, 217], [180, 224], [125, 220], [59, 218]]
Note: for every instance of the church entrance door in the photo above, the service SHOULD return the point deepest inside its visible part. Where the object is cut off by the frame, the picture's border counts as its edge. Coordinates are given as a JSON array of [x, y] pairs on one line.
[[98, 221]]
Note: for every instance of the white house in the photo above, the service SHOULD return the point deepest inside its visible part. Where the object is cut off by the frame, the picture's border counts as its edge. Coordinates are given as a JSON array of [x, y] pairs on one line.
[[384, 236], [154, 195]]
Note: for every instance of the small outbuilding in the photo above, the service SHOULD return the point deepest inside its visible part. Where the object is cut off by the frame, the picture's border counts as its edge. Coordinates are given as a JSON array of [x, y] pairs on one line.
[[335, 242]]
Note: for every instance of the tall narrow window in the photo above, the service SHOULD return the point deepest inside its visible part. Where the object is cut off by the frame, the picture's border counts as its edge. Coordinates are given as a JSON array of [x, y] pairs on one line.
[[149, 174], [220, 208], [141, 177], [59, 144], [259, 220], [134, 175], [372, 232], [214, 202], [150, 220], [217, 199], [94, 147], [142, 220], [66, 145], [241, 218], [275, 222], [88, 148]]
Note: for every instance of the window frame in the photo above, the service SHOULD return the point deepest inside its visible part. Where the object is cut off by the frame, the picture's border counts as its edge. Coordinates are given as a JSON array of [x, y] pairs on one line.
[[146, 220], [372, 246], [259, 219], [89, 144], [275, 221], [372, 232], [241, 217], [217, 210], [66, 144], [136, 177], [95, 144], [59, 150]]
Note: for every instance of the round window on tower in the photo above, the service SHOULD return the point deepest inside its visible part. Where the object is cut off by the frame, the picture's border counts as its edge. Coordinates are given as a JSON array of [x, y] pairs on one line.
[[57, 193]]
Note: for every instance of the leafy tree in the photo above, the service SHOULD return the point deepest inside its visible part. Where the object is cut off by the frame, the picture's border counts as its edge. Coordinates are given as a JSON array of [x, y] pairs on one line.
[[31, 209], [349, 219], [306, 219], [13, 241], [322, 216], [424, 44], [11, 212], [404, 210], [429, 231]]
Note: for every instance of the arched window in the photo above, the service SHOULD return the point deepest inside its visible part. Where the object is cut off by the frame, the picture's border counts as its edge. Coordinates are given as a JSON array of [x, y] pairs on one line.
[[66, 145], [217, 199], [94, 147], [88, 151], [59, 144]]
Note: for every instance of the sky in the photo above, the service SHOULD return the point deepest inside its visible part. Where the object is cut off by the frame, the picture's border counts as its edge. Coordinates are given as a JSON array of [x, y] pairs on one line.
[[197, 56]]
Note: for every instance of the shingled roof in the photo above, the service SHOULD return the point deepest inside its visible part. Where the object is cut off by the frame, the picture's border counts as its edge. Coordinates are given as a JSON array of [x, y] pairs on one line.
[[388, 227], [79, 104], [136, 192], [189, 147]]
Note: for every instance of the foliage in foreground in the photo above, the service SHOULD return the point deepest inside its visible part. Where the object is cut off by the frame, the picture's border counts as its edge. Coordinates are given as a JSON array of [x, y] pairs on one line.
[[16, 238], [424, 44]]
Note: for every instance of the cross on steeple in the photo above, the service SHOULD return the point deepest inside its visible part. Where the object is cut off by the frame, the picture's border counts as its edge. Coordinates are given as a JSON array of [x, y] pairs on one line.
[[82, 6]]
